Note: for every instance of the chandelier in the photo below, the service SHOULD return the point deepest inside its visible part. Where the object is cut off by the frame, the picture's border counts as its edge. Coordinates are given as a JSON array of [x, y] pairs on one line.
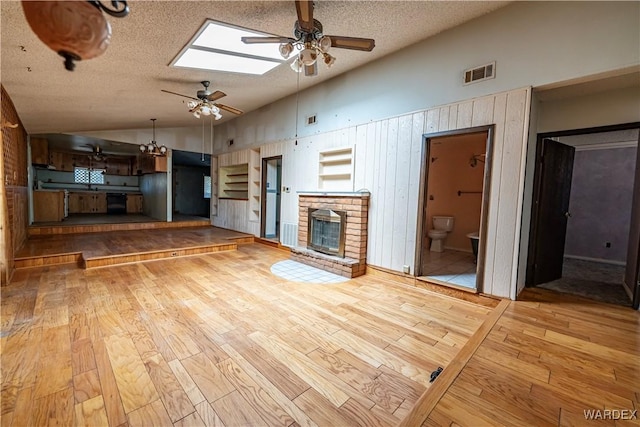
[[310, 51], [76, 30], [204, 108], [152, 147]]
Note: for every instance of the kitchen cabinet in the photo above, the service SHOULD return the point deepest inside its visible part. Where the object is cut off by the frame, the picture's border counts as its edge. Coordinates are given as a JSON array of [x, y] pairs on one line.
[[48, 205], [66, 162], [39, 151], [118, 166], [87, 202], [151, 164], [134, 203]]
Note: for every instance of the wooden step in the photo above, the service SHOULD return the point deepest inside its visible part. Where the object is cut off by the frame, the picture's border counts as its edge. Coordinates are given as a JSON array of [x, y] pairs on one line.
[[91, 250], [47, 260], [105, 261]]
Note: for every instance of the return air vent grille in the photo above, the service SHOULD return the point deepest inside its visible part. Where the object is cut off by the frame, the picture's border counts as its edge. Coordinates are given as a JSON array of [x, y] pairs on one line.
[[478, 74], [289, 234]]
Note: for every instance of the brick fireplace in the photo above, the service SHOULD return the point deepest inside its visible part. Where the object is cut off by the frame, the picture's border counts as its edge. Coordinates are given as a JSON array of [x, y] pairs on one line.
[[355, 208]]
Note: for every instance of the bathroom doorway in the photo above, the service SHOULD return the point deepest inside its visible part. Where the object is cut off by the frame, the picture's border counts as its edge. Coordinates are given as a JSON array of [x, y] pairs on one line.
[[454, 184], [271, 186]]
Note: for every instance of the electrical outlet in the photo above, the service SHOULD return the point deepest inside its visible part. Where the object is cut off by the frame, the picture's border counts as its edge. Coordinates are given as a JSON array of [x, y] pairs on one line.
[[406, 269], [607, 245]]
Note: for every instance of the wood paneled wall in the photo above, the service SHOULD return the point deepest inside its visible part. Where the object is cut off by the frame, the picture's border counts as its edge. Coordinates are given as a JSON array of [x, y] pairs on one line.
[[234, 214], [388, 156], [13, 189]]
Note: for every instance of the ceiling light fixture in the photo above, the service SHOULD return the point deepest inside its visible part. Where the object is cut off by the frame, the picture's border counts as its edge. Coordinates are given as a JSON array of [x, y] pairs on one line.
[[77, 30], [204, 108], [309, 53], [310, 40], [152, 147]]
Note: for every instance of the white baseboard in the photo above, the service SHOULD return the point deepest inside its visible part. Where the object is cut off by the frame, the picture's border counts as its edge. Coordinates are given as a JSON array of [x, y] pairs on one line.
[[603, 261]]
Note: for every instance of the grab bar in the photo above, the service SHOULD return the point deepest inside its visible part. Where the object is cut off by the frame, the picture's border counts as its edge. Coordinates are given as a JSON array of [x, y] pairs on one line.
[[460, 192]]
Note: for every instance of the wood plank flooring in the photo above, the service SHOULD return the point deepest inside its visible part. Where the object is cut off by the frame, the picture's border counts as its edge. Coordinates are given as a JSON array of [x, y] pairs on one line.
[[546, 361], [217, 340]]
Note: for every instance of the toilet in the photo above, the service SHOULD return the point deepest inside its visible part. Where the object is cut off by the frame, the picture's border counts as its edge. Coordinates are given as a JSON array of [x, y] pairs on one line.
[[441, 226]]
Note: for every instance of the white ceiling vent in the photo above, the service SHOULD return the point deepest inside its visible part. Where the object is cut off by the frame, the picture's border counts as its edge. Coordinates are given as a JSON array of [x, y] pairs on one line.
[[478, 74]]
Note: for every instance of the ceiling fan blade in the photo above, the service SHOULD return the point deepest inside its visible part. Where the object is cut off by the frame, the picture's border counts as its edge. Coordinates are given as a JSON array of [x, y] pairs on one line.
[[304, 8], [252, 40], [355, 43], [216, 95], [311, 70], [179, 94], [229, 109]]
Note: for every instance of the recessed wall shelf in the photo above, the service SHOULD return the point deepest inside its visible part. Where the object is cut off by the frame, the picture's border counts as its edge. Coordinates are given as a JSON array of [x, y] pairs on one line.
[[335, 169], [234, 182], [254, 184]]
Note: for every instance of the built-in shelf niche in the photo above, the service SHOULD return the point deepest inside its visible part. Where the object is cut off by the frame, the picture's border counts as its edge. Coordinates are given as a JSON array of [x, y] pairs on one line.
[[335, 169], [254, 184], [234, 182]]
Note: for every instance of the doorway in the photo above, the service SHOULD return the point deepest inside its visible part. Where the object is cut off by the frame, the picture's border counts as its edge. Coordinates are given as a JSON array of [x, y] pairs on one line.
[[191, 184], [585, 222], [271, 189], [455, 180]]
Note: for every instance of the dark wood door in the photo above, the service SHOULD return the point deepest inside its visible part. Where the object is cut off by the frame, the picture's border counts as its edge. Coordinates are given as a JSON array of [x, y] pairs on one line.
[[632, 274], [554, 168]]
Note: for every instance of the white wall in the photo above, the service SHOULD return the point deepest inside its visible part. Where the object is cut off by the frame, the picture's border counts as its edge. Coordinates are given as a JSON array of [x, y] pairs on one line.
[[533, 44], [598, 109]]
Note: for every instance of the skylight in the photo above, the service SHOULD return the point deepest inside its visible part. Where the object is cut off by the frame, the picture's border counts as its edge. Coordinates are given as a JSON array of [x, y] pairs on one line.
[[217, 46]]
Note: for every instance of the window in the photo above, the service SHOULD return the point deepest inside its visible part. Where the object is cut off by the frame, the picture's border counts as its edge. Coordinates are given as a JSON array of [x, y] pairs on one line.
[[88, 176], [207, 187]]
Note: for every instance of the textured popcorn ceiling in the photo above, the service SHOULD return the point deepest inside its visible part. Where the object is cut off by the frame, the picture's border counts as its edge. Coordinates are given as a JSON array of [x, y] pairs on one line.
[[121, 89]]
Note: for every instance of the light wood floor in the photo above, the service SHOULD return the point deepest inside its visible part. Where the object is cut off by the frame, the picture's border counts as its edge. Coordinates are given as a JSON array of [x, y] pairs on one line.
[[125, 242], [546, 361], [218, 340]]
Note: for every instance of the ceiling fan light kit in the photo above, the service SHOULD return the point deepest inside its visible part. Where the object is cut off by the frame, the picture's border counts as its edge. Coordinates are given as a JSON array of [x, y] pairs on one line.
[[204, 104], [152, 148], [311, 42], [76, 30]]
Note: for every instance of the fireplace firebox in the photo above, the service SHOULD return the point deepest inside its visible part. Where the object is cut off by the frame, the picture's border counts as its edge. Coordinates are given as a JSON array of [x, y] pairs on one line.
[[327, 231]]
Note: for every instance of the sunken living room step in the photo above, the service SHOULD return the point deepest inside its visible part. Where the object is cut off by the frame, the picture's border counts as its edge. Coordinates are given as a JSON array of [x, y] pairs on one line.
[[332, 231]]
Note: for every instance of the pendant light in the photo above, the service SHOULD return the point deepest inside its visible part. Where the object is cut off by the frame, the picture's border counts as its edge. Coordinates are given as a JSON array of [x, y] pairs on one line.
[[76, 30], [152, 147]]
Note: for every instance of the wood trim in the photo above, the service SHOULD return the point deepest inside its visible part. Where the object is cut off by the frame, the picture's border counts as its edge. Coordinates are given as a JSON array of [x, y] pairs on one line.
[[41, 261], [271, 243], [583, 131], [422, 283], [430, 398]]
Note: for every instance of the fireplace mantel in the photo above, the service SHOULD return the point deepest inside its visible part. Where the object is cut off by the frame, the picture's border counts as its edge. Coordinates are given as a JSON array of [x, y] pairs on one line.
[[363, 193]]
